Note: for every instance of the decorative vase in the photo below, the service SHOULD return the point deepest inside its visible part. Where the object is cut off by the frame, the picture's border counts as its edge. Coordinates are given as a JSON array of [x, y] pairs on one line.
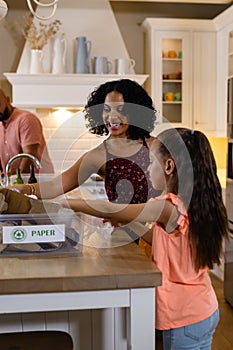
[[83, 55], [36, 66], [59, 55]]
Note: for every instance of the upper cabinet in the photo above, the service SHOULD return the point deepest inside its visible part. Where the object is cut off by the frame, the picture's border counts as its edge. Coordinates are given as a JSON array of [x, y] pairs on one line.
[[173, 72], [204, 78], [230, 86], [230, 55], [180, 58]]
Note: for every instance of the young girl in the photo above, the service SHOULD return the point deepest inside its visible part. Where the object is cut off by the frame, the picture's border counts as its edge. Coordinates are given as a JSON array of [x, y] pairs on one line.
[[190, 224]]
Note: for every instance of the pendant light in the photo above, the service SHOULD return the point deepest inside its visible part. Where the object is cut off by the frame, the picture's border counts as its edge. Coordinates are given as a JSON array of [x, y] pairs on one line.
[[3, 9], [52, 4]]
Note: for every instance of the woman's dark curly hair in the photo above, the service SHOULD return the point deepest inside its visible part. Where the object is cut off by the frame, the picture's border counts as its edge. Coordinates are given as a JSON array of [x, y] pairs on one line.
[[196, 182], [138, 107]]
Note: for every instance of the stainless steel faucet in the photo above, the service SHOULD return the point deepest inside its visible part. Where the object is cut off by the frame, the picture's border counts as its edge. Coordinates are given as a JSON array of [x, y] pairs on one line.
[[17, 156]]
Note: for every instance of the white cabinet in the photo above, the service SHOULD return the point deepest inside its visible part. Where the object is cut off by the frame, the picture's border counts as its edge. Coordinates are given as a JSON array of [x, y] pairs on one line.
[[180, 58], [204, 81], [224, 26], [173, 76], [230, 87], [230, 54]]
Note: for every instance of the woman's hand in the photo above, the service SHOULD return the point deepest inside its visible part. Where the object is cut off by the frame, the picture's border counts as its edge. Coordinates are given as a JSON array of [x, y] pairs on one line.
[[16, 202], [22, 188]]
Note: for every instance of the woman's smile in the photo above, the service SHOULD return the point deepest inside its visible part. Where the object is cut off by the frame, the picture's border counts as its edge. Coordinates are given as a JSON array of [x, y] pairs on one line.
[[113, 116], [115, 123]]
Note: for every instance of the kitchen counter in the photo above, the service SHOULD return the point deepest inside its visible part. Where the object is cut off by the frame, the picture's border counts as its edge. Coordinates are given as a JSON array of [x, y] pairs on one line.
[[94, 269], [106, 278]]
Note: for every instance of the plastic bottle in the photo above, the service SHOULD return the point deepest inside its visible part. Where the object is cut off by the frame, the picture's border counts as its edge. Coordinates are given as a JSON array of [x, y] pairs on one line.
[[32, 179], [3, 180], [18, 179]]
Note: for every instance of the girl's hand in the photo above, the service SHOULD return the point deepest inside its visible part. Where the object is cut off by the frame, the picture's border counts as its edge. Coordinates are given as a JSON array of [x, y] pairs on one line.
[[115, 223]]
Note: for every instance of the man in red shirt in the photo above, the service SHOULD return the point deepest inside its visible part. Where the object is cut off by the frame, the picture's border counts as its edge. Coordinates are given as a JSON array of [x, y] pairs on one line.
[[21, 132]]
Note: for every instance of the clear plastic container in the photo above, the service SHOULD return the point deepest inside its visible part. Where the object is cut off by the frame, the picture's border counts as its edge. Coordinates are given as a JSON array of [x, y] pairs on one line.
[[40, 234]]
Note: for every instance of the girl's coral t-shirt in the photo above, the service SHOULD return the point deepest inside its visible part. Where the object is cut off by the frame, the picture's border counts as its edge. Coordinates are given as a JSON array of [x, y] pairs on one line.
[[185, 296]]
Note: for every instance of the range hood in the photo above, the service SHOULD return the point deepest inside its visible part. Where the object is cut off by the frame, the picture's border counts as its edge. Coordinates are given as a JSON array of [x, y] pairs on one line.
[[52, 90], [91, 18]]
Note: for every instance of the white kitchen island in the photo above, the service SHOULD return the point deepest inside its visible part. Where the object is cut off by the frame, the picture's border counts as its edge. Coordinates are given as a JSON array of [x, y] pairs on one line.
[[104, 298]]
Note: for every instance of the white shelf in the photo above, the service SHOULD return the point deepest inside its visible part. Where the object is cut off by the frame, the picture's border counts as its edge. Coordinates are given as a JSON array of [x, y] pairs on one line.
[[59, 90], [172, 59], [172, 102], [172, 80]]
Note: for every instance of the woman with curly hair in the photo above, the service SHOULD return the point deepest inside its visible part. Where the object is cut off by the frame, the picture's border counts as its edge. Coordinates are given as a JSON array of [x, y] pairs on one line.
[[123, 111]]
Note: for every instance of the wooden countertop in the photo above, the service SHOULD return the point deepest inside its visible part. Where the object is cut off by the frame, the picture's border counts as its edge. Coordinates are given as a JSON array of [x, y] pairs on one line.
[[120, 267]]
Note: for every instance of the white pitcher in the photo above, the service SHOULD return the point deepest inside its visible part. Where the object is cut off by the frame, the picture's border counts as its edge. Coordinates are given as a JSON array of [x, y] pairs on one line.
[[36, 66], [102, 65], [125, 65], [59, 55]]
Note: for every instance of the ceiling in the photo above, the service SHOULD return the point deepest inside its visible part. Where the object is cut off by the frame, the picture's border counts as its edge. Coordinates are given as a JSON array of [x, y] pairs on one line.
[[181, 1], [167, 8], [198, 9]]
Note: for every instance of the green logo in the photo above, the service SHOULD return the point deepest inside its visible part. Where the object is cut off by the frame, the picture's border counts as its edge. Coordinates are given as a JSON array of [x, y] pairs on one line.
[[18, 235]]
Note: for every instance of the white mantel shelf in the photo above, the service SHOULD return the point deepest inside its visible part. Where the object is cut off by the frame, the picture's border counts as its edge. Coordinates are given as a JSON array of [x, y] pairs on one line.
[[59, 90]]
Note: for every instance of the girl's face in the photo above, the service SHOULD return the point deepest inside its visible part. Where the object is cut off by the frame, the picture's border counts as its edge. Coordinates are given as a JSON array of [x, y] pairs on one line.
[[157, 167], [114, 119]]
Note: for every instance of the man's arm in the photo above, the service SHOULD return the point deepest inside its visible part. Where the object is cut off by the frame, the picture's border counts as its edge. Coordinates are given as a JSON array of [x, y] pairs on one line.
[[25, 162]]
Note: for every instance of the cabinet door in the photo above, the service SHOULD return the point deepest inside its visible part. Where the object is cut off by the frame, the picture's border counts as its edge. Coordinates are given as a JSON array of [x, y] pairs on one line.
[[204, 81], [230, 54], [230, 87], [171, 77]]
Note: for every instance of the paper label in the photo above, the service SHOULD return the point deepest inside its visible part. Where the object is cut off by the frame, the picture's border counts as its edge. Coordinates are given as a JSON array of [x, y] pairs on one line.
[[33, 234]]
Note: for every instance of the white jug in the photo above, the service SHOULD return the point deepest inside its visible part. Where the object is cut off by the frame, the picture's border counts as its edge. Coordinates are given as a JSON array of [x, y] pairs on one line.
[[36, 66], [102, 65], [59, 55], [125, 65]]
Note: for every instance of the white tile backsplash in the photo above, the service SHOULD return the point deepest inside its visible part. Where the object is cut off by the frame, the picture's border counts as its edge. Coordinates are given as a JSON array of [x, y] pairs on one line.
[[67, 137]]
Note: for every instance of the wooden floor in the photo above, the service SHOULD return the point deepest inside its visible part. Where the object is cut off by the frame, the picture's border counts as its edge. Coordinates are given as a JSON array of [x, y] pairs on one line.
[[223, 337]]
